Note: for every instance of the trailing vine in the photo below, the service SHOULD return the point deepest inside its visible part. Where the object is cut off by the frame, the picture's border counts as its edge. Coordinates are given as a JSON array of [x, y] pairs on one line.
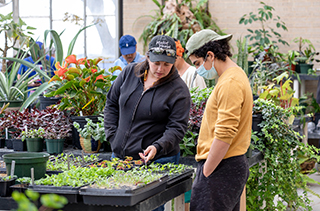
[[273, 184]]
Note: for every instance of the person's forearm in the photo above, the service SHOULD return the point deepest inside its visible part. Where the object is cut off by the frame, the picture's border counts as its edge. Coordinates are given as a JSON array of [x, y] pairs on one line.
[[217, 151]]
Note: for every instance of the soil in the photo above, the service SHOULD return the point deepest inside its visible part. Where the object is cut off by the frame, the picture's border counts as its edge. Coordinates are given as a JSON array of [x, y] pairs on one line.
[[308, 165]]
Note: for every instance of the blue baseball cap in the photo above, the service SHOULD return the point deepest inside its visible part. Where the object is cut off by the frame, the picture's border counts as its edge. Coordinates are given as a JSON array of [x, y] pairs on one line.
[[40, 44], [127, 44]]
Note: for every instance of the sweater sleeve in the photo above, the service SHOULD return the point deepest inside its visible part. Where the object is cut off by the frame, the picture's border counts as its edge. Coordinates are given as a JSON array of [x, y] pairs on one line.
[[230, 99]]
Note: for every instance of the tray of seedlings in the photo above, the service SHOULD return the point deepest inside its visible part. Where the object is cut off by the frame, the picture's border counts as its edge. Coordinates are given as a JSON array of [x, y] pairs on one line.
[[21, 185], [64, 162], [124, 188], [127, 164], [175, 172], [68, 183]]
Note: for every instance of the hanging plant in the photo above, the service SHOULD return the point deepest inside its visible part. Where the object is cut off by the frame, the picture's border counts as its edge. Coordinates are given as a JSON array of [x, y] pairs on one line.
[[178, 20]]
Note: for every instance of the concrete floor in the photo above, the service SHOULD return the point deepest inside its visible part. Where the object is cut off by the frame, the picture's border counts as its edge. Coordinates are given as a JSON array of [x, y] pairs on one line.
[[315, 201]]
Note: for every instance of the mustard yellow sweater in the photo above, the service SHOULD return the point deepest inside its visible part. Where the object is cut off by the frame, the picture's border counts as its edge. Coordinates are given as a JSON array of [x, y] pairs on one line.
[[228, 115]]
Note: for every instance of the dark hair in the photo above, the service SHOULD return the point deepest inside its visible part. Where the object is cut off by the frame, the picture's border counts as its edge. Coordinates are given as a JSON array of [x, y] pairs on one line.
[[220, 48], [140, 68]]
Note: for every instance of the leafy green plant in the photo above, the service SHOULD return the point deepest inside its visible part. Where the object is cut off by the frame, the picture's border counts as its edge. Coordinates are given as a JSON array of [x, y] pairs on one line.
[[76, 177], [28, 201], [279, 175], [33, 133], [181, 21], [7, 178], [199, 99], [91, 129], [188, 145], [280, 92], [39, 56], [83, 85], [60, 162], [127, 179], [266, 33], [12, 89], [242, 56], [14, 33], [307, 51]]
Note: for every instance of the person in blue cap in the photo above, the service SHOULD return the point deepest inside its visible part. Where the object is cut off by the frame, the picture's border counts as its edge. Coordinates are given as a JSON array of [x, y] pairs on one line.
[[36, 80], [128, 49]]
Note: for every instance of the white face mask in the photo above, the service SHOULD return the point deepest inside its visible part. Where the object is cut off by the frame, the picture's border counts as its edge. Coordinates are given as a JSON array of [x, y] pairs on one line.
[[207, 74]]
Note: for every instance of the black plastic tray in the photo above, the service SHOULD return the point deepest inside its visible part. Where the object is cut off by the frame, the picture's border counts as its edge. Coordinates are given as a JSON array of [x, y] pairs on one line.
[[71, 193], [176, 178], [18, 187], [122, 197]]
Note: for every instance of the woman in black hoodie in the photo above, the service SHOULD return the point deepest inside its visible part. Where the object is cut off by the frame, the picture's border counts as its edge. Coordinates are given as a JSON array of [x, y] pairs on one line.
[[147, 107]]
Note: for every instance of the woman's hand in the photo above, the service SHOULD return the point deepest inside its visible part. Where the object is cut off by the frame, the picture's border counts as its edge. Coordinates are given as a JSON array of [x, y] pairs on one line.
[[149, 153]]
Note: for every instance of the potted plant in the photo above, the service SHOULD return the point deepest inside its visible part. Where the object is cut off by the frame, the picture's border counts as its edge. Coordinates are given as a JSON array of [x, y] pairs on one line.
[[5, 183], [91, 135], [57, 128], [12, 122], [34, 139], [179, 20], [263, 35], [291, 58], [83, 88], [281, 147], [307, 52], [199, 99]]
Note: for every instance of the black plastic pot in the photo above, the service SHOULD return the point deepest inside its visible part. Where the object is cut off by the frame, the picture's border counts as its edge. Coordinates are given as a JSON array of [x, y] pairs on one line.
[[19, 187], [256, 120], [5, 187], [2, 142], [19, 145], [47, 101], [82, 121], [9, 144]]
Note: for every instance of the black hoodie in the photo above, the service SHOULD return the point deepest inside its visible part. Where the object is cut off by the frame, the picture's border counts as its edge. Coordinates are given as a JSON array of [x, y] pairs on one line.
[[135, 119]]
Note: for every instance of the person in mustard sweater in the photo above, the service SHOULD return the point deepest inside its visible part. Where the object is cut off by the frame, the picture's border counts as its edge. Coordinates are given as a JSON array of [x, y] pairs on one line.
[[225, 131]]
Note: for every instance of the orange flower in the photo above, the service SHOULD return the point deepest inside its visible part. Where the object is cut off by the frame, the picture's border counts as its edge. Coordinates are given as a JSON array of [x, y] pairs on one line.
[[99, 77], [94, 70], [82, 61], [60, 72], [72, 59], [64, 65], [87, 79]]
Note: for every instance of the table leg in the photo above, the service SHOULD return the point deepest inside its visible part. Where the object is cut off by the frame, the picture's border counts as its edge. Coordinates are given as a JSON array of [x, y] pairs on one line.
[[296, 88], [167, 206], [179, 203], [303, 88]]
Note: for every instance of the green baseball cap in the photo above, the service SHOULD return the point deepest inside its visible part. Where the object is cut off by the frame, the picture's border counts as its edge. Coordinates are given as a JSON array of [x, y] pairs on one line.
[[202, 37]]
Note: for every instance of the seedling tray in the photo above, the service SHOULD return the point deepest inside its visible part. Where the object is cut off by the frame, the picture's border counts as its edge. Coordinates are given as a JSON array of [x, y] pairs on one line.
[[19, 187], [177, 177], [122, 197], [71, 193]]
